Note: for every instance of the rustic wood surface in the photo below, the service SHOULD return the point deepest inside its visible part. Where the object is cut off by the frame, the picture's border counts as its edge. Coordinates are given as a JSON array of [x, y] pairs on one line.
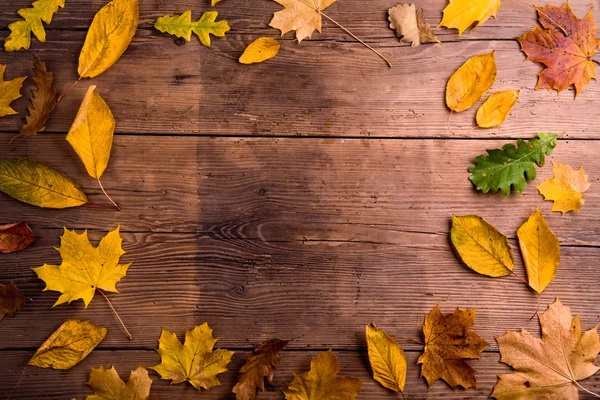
[[300, 198]]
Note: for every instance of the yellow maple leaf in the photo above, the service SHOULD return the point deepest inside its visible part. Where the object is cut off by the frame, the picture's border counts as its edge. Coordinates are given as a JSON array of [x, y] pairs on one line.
[[9, 91], [302, 16], [566, 189], [84, 268], [387, 359], [20, 31], [321, 382], [260, 50], [462, 14], [193, 361], [466, 86], [495, 109], [550, 367], [107, 385]]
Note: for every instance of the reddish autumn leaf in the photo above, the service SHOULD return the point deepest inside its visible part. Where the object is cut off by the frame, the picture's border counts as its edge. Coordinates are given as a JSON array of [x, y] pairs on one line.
[[15, 237], [11, 300]]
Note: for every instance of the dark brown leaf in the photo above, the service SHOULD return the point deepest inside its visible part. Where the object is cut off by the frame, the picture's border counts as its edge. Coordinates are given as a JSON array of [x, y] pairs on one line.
[[43, 100], [11, 300]]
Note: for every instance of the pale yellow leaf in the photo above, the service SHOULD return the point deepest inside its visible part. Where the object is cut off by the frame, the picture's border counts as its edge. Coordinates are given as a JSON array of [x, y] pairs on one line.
[[466, 86], [260, 50], [495, 109], [302, 16], [387, 359], [566, 189]]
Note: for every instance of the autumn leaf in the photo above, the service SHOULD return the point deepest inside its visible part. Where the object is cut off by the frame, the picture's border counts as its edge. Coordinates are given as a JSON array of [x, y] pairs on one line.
[[20, 31], [193, 361], [550, 367], [107, 385], [38, 184], [9, 92], [43, 100], [15, 237], [466, 86], [409, 24], [566, 189], [495, 109], [511, 167], [302, 16], [387, 359], [182, 26], [322, 382], [260, 50], [565, 45], [11, 300], [259, 366], [449, 340], [462, 14], [214, 2]]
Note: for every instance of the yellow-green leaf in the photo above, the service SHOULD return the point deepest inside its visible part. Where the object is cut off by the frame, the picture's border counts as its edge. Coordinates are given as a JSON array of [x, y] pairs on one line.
[[260, 50], [466, 86], [70, 344], [91, 134], [9, 91], [541, 251], [462, 14], [182, 26], [20, 31], [38, 184], [107, 385], [481, 246], [495, 109], [387, 359], [109, 36]]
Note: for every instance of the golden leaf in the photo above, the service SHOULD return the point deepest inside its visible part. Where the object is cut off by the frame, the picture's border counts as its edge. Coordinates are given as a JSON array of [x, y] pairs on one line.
[[194, 361], [15, 237], [109, 36], [70, 344], [541, 251], [321, 382], [259, 366], [302, 16], [38, 184], [387, 359], [182, 26], [20, 31], [11, 300], [9, 92], [43, 100], [462, 14], [481, 246], [409, 24], [466, 86], [260, 50], [495, 109], [84, 267], [107, 385], [550, 367], [448, 341], [214, 2], [566, 189]]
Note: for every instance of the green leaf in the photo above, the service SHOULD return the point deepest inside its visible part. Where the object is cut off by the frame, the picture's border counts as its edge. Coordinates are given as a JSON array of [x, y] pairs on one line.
[[512, 166], [182, 26]]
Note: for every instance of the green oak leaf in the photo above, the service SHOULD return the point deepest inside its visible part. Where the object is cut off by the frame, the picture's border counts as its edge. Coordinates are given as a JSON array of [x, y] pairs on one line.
[[182, 26]]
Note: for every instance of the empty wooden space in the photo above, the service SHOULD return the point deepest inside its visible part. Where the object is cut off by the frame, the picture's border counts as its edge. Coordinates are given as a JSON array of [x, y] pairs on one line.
[[302, 198]]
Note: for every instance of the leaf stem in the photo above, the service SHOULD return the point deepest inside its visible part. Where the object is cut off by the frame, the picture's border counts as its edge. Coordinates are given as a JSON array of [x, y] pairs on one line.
[[107, 196], [520, 277], [100, 205], [545, 15], [115, 311], [586, 390], [18, 383], [67, 90]]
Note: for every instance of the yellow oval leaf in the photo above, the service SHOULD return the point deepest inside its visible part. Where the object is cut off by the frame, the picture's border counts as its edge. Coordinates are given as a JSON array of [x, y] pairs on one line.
[[466, 86], [260, 50], [566, 189], [70, 344], [540, 249], [38, 184], [91, 134], [481, 246], [495, 109], [386, 358], [109, 35]]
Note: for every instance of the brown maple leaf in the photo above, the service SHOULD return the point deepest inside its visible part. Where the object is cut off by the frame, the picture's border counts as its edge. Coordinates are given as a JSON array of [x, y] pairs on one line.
[[43, 100], [11, 300], [566, 46]]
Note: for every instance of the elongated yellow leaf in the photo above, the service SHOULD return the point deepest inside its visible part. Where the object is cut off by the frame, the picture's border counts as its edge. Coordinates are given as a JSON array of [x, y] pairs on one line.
[[20, 31], [260, 50], [38, 184], [466, 86], [481, 246], [109, 36], [70, 344], [541, 251], [9, 91], [386, 358], [462, 14], [495, 109], [91, 134]]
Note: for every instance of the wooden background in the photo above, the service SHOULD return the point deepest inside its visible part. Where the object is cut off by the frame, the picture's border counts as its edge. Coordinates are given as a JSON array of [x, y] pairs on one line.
[[301, 198]]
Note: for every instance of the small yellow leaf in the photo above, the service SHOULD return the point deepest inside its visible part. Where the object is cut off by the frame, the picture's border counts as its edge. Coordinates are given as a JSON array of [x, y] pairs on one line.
[[182, 26], [541, 251], [9, 91], [20, 31], [301, 16], [91, 134], [214, 2], [260, 50], [387, 359], [566, 189], [466, 86], [109, 36], [462, 14], [481, 246], [70, 344], [107, 385], [495, 109]]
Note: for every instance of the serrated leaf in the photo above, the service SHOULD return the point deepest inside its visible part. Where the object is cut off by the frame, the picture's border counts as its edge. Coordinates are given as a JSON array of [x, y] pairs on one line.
[[11, 300], [495, 109], [301, 16], [107, 385], [566, 189], [108, 37], [387, 359], [409, 24], [510, 168], [9, 92], [463, 14], [466, 86], [182, 26], [15, 237], [71, 343], [20, 31], [38, 184], [43, 100], [260, 50]]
